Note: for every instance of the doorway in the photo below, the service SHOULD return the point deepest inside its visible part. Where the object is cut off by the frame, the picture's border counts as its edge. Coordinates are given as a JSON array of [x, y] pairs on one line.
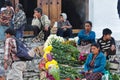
[[29, 6], [2, 3], [76, 12]]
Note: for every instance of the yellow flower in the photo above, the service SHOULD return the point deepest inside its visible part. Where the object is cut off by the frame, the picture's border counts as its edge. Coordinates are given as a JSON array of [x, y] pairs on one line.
[[48, 49], [49, 63], [45, 56]]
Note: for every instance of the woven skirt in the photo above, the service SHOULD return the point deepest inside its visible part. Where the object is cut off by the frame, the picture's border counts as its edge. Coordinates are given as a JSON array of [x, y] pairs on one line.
[[93, 76]]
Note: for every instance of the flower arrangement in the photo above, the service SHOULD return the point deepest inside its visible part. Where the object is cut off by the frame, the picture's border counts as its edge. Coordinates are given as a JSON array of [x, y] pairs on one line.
[[47, 50], [50, 39], [48, 66], [82, 57]]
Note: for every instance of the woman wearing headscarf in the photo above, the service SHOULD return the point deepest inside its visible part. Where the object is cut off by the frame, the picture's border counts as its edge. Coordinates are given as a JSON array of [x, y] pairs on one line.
[[64, 26]]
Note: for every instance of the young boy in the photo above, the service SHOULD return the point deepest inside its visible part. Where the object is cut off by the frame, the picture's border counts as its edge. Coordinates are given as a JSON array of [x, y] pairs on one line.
[[12, 63], [107, 43]]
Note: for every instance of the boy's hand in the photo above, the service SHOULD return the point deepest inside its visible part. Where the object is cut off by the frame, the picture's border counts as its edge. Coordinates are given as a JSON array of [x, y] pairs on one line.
[[113, 47]]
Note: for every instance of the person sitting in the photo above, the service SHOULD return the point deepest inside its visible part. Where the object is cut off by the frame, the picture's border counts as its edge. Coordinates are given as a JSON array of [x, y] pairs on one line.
[[19, 21], [64, 26], [95, 64], [107, 43], [43, 24], [86, 38]]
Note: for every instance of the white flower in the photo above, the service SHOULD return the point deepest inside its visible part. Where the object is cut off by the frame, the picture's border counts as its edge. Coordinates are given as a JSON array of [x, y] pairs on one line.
[[51, 38]]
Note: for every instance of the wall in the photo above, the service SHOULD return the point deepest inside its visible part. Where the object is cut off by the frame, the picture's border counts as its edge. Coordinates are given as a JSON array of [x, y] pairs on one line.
[[103, 14]]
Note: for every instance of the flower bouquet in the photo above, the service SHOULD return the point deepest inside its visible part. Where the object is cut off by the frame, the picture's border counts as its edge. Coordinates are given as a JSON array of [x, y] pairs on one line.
[[82, 58]]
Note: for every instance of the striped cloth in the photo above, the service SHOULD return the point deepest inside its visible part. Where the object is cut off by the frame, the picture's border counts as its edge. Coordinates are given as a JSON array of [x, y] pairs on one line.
[[105, 46]]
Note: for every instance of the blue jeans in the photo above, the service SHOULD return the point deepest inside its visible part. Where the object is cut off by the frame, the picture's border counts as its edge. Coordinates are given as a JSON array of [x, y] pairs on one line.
[[19, 32]]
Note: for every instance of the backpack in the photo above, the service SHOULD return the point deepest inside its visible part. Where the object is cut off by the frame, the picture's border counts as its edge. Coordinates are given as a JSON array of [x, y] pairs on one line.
[[22, 51]]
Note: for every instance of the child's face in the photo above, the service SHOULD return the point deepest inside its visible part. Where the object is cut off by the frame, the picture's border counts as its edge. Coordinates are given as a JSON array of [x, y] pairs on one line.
[[107, 37], [7, 35]]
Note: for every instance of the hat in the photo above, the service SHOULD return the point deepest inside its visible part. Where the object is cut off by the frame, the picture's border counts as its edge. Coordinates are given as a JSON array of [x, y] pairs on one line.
[[64, 15]]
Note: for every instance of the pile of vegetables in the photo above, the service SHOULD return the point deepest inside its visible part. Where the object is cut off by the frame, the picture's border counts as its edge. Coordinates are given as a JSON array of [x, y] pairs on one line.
[[69, 72], [65, 53]]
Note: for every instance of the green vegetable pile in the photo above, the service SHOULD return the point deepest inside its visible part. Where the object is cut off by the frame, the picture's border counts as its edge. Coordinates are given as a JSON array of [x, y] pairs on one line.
[[69, 72], [66, 54]]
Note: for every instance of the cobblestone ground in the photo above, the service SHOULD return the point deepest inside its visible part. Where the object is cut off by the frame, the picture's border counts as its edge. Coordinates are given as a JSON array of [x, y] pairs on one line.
[[32, 72]]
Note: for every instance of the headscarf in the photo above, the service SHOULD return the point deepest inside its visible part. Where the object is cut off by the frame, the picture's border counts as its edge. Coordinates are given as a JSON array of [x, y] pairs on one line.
[[64, 15]]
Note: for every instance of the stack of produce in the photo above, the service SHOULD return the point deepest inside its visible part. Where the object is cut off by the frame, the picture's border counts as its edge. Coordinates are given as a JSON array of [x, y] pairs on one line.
[[66, 54]]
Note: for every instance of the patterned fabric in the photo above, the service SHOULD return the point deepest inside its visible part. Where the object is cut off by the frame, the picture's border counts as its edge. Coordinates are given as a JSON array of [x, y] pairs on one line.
[[19, 19], [93, 76], [5, 17], [9, 12], [40, 37], [10, 50], [92, 62], [106, 45]]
